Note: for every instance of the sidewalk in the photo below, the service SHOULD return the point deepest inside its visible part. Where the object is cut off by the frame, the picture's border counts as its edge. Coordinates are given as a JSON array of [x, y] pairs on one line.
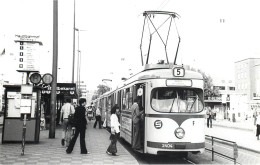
[[243, 133], [50, 151]]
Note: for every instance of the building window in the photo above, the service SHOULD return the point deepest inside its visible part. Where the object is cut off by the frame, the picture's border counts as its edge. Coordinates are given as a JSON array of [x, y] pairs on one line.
[[232, 88], [219, 87]]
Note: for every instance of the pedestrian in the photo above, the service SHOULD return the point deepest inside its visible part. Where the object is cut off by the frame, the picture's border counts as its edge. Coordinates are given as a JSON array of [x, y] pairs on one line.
[[257, 126], [98, 118], [66, 110], [115, 130], [209, 117], [136, 118], [80, 125], [105, 121]]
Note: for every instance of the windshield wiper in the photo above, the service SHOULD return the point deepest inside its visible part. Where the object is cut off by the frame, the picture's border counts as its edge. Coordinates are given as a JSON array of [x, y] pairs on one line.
[[172, 105]]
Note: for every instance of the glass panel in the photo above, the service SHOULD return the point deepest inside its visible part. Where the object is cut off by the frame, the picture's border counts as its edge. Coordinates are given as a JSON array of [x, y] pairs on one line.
[[176, 100], [13, 104]]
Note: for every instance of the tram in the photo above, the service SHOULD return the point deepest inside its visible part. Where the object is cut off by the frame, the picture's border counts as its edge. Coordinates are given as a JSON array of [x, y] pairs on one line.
[[172, 100]]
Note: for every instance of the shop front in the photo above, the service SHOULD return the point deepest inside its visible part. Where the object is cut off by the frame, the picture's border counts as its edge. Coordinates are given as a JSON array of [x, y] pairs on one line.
[[64, 91]]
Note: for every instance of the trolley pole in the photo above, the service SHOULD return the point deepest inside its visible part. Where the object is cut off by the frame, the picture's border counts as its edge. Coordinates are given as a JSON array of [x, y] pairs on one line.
[[54, 70]]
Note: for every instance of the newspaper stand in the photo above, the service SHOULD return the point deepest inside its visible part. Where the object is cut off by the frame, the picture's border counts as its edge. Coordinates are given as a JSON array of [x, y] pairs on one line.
[[14, 115]]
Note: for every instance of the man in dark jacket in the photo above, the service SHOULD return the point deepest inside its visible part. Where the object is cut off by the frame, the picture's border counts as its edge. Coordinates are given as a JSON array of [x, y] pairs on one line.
[[80, 125]]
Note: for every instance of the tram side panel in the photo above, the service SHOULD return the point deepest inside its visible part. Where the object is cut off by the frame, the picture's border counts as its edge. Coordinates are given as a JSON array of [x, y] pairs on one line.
[[126, 126]]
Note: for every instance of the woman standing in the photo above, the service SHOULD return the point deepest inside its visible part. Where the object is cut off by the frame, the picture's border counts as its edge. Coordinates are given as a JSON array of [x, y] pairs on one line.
[[80, 124], [112, 149], [258, 126]]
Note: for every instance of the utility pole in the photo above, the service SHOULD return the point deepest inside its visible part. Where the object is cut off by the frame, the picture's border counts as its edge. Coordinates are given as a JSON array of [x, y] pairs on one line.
[[73, 60], [54, 69]]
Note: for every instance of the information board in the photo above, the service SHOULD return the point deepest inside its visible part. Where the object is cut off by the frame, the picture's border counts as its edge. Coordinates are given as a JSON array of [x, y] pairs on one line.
[[28, 53]]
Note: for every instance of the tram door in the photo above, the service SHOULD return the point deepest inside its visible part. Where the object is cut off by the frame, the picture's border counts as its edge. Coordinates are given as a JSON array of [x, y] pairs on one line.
[[139, 92]]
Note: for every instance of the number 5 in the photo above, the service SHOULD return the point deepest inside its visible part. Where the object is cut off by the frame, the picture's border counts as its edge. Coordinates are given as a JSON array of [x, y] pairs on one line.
[[178, 72]]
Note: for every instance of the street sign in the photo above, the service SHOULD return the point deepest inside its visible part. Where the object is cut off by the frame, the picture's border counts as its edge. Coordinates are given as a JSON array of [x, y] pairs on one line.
[[47, 78], [26, 89], [35, 78], [28, 53]]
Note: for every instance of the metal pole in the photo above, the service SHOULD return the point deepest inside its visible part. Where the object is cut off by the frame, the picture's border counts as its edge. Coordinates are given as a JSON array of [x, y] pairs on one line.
[[212, 143], [78, 67], [54, 69], [73, 60], [24, 133]]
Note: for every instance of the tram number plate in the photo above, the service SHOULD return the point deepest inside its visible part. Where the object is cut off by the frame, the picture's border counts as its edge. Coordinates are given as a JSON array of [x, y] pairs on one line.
[[167, 145]]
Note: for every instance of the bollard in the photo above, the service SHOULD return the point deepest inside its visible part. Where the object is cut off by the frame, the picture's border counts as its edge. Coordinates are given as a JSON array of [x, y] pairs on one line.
[[235, 152], [212, 143]]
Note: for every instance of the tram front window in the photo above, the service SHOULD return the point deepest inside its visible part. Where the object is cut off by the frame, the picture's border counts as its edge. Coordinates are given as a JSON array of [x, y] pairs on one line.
[[177, 100]]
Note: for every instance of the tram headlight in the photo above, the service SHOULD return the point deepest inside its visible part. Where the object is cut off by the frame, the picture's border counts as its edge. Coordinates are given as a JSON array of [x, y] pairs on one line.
[[179, 133]]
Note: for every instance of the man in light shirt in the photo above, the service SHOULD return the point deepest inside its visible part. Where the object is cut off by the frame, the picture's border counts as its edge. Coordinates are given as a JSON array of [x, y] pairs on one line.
[[98, 118], [66, 110]]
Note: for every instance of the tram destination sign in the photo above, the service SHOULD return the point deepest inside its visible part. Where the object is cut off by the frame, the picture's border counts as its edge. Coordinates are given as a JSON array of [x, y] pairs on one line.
[[179, 83]]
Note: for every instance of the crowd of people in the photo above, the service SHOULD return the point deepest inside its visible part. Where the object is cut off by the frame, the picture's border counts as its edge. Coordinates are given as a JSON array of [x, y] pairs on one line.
[[80, 123]]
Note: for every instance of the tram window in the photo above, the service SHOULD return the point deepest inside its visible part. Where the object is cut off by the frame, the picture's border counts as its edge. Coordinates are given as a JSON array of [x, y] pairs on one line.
[[128, 100], [124, 99], [176, 100]]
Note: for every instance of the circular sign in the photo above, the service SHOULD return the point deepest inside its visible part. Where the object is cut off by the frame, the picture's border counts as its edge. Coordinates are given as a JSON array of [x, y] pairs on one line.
[[140, 92], [35, 78], [158, 124], [47, 78]]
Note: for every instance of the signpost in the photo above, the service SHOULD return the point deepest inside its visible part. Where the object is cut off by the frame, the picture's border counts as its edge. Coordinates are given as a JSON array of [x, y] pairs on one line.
[[28, 61], [25, 108]]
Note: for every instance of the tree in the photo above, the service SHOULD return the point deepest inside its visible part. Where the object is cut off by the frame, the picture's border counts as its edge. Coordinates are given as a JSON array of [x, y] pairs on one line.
[[209, 91], [101, 90]]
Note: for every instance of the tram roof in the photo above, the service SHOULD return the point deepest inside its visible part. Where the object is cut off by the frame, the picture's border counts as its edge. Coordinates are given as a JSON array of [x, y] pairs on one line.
[[157, 71], [161, 71]]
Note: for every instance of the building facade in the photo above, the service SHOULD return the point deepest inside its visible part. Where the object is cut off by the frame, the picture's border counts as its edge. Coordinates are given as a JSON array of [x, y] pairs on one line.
[[221, 104], [247, 78]]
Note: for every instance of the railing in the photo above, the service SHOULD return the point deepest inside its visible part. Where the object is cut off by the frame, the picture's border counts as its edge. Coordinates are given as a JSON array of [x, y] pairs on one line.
[[227, 142]]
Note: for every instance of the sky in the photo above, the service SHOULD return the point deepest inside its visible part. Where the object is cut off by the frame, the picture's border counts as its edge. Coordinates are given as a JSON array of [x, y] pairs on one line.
[[110, 35]]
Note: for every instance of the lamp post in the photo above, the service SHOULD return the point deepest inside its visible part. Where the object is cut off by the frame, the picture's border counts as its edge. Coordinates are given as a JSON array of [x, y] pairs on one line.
[[73, 59], [78, 71], [78, 61], [54, 70]]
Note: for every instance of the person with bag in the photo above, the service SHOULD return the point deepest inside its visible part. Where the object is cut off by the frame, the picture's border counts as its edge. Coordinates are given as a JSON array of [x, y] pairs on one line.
[[66, 110], [98, 118], [115, 130], [136, 118], [80, 125]]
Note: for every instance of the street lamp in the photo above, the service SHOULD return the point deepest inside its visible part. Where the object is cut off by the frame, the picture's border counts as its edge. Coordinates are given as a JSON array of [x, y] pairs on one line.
[[73, 59], [78, 70], [78, 61]]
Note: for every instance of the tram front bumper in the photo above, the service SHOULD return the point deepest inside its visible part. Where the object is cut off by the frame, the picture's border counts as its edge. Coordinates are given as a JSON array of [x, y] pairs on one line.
[[155, 147]]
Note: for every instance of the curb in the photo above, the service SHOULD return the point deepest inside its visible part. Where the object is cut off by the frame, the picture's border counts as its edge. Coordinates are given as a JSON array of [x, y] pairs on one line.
[[227, 126]]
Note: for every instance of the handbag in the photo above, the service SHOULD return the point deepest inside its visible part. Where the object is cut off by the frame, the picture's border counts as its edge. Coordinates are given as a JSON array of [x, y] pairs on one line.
[[71, 119]]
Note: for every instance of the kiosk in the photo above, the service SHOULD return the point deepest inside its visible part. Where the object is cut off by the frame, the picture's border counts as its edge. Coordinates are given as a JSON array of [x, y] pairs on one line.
[[13, 120]]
